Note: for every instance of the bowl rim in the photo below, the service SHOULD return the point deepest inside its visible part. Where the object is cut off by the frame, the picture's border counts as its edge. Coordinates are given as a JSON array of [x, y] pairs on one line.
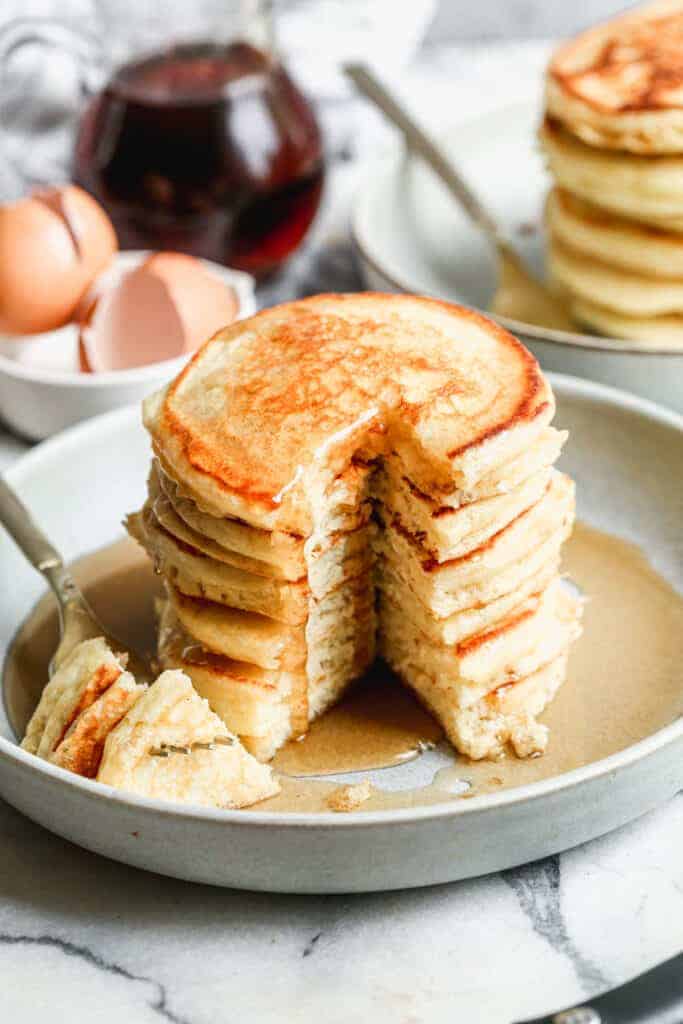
[[669, 735], [243, 283], [377, 170]]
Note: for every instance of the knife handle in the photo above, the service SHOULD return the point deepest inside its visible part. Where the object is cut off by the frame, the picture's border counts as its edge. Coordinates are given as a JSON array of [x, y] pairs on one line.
[[655, 997]]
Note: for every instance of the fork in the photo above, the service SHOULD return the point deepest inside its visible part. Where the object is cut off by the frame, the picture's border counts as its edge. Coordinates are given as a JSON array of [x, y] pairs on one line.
[[77, 620]]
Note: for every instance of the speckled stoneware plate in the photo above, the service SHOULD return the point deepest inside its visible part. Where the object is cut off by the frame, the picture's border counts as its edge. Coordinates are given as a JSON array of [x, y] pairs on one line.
[[627, 457], [411, 235]]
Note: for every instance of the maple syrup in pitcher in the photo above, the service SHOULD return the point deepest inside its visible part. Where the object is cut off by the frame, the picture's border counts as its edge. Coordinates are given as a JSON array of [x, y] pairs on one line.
[[206, 149]]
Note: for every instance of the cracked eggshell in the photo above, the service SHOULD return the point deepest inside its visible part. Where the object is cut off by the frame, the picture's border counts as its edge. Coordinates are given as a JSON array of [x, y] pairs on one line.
[[53, 243], [163, 309]]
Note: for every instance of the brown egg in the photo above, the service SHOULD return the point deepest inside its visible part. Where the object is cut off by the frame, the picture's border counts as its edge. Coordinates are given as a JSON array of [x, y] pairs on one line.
[[166, 307], [52, 245]]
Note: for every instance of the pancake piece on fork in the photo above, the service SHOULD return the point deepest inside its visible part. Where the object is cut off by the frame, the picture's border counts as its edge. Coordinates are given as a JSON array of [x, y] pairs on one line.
[[348, 473]]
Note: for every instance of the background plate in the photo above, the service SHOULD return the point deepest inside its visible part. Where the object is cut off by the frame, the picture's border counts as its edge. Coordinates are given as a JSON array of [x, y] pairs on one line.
[[626, 456], [411, 235]]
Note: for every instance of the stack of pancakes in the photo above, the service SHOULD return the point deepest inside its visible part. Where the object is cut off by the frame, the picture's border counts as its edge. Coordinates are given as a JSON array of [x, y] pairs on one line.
[[347, 475], [613, 139]]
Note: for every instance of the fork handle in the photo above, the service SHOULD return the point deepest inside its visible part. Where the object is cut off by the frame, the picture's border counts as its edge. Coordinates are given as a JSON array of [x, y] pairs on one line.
[[40, 552], [421, 143], [25, 533]]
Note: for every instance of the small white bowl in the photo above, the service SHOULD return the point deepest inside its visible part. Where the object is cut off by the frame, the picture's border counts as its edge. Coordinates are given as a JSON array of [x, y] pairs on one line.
[[42, 391]]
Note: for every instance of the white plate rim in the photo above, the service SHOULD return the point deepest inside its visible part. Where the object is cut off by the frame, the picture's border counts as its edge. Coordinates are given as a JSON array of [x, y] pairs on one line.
[[669, 735], [379, 170]]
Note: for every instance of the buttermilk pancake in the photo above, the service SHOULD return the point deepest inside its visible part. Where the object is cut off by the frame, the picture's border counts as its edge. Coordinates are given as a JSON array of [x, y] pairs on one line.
[[353, 473], [620, 85], [646, 189], [171, 746], [91, 681], [160, 740], [599, 235], [660, 332], [623, 291]]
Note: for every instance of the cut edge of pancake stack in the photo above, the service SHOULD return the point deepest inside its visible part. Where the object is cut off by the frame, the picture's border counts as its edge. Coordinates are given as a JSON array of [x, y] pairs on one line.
[[347, 475], [613, 141]]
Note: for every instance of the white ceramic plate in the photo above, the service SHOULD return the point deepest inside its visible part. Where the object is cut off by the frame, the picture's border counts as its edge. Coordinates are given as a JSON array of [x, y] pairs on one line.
[[626, 456], [411, 235]]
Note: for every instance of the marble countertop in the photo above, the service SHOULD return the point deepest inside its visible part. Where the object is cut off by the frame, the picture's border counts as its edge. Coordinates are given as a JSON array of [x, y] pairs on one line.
[[85, 938]]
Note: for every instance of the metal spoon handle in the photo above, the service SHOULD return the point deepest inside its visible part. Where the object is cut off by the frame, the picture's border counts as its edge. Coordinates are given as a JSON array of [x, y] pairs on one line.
[[418, 140], [44, 557]]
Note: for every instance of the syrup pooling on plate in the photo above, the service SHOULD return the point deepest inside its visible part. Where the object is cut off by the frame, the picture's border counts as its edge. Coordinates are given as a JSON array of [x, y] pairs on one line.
[[624, 681]]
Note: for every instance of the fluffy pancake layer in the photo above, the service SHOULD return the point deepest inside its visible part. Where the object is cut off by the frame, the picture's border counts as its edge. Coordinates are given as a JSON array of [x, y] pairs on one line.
[[349, 472], [613, 140], [620, 85]]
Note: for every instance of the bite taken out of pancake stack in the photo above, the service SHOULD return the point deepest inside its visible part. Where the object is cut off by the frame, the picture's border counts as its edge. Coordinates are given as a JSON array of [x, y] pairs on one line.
[[349, 476], [613, 141]]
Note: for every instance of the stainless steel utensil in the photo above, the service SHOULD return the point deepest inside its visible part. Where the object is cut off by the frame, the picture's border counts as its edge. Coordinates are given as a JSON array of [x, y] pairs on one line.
[[77, 620], [519, 295]]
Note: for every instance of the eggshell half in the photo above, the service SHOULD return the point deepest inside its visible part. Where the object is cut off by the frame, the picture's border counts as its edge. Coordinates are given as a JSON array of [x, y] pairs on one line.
[[166, 307]]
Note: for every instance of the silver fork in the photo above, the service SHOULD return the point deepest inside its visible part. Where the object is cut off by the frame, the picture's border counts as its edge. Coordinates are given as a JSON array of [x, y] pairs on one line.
[[77, 620]]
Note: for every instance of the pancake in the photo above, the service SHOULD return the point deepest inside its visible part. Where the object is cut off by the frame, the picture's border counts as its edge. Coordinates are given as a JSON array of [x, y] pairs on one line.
[[499, 567], [80, 750], [619, 85], [170, 714], [309, 384], [267, 707], [516, 647], [505, 717], [84, 675], [445, 533], [263, 641], [660, 332], [599, 235], [624, 292], [640, 188], [347, 472], [468, 621]]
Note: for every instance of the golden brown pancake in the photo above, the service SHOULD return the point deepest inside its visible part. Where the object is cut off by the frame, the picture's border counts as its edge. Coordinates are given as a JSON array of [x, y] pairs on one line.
[[619, 85], [329, 454], [270, 406]]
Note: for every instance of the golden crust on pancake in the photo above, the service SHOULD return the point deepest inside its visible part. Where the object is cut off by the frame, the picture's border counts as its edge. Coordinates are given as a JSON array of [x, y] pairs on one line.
[[291, 393], [84, 675], [619, 85], [80, 750]]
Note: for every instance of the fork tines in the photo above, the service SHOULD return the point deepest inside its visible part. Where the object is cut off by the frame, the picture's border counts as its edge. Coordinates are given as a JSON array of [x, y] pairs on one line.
[[166, 749]]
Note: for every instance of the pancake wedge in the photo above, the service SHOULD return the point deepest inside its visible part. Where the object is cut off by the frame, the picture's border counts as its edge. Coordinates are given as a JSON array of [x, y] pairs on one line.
[[85, 674], [351, 474], [144, 753]]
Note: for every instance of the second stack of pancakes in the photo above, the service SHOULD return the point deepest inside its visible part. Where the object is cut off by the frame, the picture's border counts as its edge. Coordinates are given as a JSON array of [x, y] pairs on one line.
[[613, 140], [352, 475]]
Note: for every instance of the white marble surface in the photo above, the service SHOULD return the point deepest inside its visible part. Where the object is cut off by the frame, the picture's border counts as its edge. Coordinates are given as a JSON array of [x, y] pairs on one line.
[[83, 938]]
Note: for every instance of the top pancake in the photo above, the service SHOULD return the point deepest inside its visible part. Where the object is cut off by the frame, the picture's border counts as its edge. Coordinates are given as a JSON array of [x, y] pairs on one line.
[[620, 85], [271, 409]]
